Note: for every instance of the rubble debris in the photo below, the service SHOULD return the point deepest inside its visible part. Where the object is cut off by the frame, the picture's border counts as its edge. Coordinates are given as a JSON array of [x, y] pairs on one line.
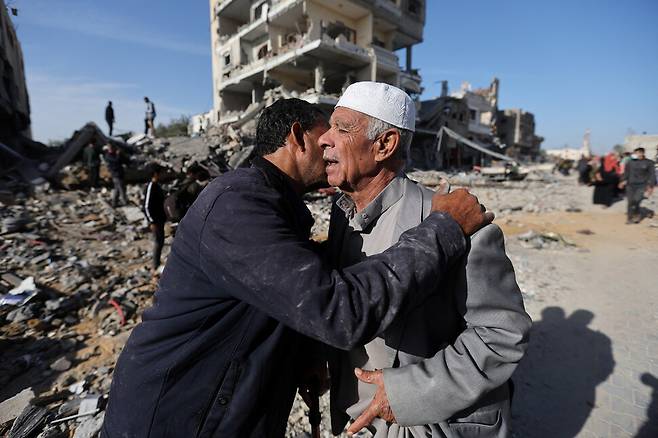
[[89, 428], [13, 407], [21, 294], [61, 364], [30, 421], [546, 240]]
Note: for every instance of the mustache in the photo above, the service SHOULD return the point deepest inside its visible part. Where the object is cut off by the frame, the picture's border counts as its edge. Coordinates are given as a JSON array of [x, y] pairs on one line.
[[329, 158]]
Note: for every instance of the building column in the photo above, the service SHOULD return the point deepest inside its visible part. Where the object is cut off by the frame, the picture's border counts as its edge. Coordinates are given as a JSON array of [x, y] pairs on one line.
[[319, 78], [408, 58]]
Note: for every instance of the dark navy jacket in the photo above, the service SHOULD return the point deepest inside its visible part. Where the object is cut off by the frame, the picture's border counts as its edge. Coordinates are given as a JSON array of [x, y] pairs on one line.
[[217, 354], [153, 206]]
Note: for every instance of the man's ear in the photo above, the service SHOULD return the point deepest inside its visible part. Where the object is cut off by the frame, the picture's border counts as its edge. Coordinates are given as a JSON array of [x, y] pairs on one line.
[[387, 144], [297, 135]]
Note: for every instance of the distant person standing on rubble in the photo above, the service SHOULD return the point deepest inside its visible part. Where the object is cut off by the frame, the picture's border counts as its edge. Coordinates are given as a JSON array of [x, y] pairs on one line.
[[639, 179], [155, 214], [109, 116], [149, 117], [92, 161], [115, 161]]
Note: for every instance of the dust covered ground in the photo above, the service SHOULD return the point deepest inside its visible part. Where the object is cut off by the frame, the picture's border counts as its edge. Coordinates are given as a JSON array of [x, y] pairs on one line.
[[590, 283]]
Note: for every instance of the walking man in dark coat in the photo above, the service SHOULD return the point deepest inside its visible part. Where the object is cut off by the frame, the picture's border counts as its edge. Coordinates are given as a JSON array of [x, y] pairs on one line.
[[109, 116], [155, 213], [639, 179], [219, 353]]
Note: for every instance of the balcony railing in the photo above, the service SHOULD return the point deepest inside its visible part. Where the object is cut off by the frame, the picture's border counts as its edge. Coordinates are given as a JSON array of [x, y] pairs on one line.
[[386, 57]]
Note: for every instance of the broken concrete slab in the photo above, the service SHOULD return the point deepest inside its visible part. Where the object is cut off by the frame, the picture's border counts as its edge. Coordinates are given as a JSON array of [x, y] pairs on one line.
[[31, 420], [90, 427], [13, 407]]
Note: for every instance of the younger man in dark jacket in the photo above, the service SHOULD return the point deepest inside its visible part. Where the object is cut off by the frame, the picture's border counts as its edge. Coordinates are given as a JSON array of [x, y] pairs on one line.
[[154, 210]]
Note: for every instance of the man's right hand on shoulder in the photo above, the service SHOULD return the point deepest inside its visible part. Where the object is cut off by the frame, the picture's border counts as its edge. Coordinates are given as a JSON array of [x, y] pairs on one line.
[[464, 208]]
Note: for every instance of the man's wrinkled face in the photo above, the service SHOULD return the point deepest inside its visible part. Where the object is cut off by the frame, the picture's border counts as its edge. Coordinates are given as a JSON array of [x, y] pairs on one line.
[[348, 153]]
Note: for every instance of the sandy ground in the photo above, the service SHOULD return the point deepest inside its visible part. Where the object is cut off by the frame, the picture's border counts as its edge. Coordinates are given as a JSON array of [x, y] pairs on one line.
[[592, 366]]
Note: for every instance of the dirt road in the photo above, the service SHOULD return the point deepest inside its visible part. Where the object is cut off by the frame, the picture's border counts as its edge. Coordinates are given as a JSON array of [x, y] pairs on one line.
[[592, 366]]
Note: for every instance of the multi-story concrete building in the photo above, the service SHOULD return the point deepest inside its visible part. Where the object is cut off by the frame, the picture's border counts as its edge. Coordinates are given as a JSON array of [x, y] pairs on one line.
[[516, 130], [483, 110], [311, 49], [14, 102], [443, 111]]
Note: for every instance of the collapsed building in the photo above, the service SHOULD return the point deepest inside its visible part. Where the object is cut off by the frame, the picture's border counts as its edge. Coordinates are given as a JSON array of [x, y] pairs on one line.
[[516, 129], [312, 49], [14, 101], [479, 131]]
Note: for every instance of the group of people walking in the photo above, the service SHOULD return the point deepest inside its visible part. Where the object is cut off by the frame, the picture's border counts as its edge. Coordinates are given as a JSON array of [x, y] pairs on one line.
[[632, 175], [149, 117]]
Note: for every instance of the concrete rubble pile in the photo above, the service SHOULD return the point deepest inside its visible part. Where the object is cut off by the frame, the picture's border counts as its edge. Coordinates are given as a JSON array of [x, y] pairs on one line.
[[74, 280], [28, 165]]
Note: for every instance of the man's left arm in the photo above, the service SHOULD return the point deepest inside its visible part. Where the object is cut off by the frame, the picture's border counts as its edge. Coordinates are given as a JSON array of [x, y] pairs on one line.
[[483, 356]]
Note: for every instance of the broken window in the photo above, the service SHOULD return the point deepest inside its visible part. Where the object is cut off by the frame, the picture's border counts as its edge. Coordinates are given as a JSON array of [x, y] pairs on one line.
[[334, 29], [415, 6], [258, 10], [227, 59], [262, 52]]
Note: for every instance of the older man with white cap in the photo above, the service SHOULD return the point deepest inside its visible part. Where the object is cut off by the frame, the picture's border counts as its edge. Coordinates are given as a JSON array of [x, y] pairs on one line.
[[447, 358]]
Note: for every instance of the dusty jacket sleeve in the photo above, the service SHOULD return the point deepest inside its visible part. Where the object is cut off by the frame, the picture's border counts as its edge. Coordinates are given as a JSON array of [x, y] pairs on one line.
[[483, 356], [248, 248]]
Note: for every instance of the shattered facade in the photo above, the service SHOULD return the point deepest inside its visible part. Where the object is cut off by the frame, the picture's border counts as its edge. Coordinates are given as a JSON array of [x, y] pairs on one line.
[[14, 102], [516, 130], [434, 114], [310, 49], [482, 108], [474, 115]]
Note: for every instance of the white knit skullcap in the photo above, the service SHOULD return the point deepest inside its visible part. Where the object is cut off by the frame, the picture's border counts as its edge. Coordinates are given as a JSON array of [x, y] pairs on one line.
[[381, 101]]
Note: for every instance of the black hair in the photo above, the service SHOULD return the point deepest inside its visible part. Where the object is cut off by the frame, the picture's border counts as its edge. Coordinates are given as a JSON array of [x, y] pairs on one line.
[[275, 121], [639, 150], [155, 168]]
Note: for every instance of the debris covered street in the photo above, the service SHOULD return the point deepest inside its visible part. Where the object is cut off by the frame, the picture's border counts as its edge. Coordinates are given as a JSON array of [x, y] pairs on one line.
[[87, 266]]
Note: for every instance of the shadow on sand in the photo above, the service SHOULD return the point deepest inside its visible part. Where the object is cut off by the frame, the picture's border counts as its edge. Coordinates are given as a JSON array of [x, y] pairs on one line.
[[650, 428], [556, 381]]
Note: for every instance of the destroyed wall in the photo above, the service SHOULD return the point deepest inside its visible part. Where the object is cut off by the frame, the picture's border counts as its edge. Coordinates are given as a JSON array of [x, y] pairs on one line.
[[14, 102], [482, 104], [516, 129], [426, 152], [310, 49]]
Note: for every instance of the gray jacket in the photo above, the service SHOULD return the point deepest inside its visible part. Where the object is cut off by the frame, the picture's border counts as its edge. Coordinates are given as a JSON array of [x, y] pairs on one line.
[[450, 356]]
